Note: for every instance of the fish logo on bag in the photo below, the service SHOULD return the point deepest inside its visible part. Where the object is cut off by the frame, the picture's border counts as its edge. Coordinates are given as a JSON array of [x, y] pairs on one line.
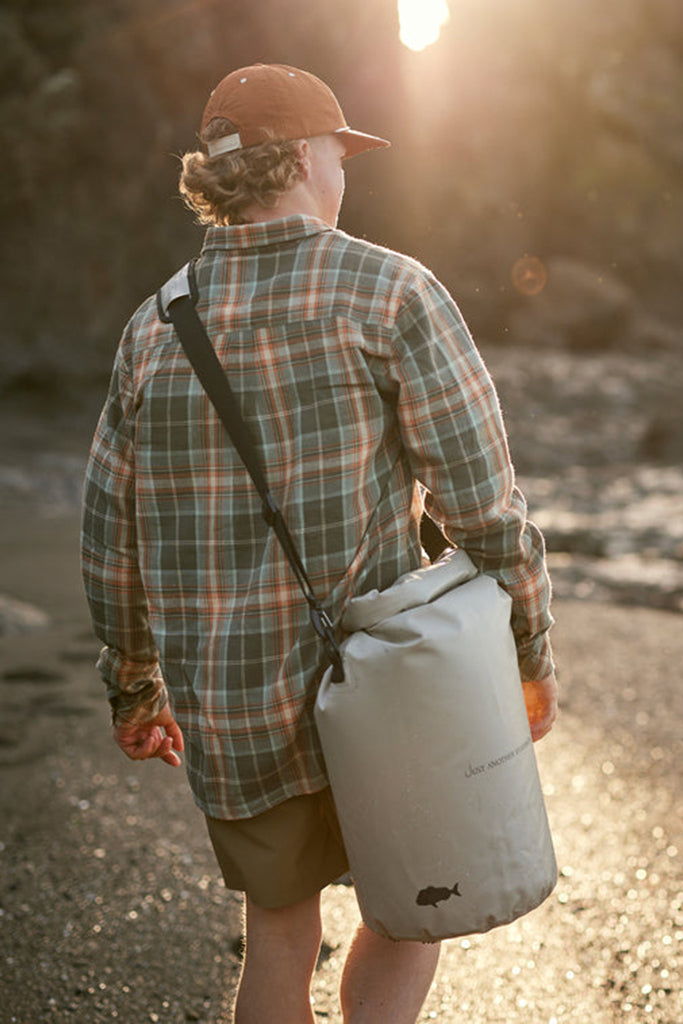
[[434, 894]]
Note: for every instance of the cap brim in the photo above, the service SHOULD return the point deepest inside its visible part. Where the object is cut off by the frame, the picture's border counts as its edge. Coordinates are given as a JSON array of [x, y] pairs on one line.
[[359, 142]]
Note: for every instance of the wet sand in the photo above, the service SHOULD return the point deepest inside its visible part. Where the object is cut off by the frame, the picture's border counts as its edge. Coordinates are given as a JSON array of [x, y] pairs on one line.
[[112, 908]]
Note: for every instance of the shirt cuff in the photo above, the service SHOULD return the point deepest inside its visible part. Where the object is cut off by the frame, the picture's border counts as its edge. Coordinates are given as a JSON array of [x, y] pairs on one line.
[[137, 706], [535, 659], [135, 689]]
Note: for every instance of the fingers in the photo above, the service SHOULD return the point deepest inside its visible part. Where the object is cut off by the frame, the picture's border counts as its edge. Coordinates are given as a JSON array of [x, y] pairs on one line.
[[145, 741], [171, 758], [173, 730], [542, 728], [140, 744], [165, 751]]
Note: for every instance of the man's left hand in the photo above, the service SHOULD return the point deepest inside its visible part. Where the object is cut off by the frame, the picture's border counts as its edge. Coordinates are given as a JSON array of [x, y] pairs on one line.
[[540, 697]]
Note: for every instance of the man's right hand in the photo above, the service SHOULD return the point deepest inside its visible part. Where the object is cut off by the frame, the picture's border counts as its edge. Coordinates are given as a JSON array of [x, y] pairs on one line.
[[540, 697], [160, 737]]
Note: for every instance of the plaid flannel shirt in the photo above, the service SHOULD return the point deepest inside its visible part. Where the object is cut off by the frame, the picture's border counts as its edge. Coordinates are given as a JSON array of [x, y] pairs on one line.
[[367, 399]]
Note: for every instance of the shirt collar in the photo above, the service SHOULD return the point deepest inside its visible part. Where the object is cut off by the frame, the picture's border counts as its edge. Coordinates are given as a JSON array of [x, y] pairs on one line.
[[273, 232]]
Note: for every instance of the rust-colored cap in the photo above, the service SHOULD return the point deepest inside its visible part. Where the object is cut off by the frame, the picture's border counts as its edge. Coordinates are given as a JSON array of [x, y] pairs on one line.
[[267, 101]]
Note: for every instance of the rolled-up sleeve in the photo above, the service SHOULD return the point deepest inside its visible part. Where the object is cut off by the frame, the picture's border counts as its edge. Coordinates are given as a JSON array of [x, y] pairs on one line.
[[453, 431], [128, 662]]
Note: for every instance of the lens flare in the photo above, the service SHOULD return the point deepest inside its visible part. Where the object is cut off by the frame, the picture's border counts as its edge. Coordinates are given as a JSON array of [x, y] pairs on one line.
[[529, 275], [421, 21]]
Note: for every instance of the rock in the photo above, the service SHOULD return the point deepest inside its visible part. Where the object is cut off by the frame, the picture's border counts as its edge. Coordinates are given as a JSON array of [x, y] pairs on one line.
[[662, 440], [580, 307], [648, 333], [20, 617]]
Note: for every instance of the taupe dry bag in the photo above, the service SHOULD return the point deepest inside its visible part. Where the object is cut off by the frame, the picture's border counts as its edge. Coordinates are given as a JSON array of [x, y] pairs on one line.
[[430, 758]]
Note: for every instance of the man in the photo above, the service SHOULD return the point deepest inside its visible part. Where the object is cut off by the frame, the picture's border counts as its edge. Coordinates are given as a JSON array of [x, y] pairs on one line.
[[367, 400]]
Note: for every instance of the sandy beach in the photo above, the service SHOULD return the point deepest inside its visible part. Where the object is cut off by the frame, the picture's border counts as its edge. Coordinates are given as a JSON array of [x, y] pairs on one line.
[[112, 908]]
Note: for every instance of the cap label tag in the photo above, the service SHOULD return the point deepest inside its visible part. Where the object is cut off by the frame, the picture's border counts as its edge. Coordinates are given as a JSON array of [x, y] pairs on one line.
[[225, 145]]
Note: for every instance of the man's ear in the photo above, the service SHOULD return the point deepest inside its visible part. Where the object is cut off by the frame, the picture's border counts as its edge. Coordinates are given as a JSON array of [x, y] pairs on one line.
[[304, 154]]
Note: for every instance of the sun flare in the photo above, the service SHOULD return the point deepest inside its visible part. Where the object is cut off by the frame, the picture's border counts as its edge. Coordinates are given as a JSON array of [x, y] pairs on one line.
[[420, 22]]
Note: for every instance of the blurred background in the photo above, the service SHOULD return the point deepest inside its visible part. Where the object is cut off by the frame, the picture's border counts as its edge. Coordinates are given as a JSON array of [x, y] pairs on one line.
[[535, 167]]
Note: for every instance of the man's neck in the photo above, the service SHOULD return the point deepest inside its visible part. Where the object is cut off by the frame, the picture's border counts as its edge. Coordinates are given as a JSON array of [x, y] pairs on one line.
[[297, 200]]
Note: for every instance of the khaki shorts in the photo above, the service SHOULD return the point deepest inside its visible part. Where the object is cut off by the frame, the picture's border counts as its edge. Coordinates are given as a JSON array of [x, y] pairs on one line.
[[284, 855]]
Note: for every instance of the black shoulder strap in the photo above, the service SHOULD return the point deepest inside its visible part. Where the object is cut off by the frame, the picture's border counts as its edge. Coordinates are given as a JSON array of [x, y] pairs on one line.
[[176, 304]]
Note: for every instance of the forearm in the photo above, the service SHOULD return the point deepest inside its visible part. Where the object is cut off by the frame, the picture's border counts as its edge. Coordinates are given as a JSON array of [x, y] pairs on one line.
[[114, 590], [128, 662], [504, 544]]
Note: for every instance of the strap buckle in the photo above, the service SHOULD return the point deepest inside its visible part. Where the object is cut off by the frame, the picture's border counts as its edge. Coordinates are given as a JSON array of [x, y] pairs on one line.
[[182, 285], [271, 512], [323, 626]]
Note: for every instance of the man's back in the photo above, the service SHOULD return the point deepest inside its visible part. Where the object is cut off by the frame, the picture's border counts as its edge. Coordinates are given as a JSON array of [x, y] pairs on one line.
[[302, 318]]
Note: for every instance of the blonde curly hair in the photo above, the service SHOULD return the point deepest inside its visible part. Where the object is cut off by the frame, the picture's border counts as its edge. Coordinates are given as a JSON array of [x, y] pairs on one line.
[[219, 189]]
